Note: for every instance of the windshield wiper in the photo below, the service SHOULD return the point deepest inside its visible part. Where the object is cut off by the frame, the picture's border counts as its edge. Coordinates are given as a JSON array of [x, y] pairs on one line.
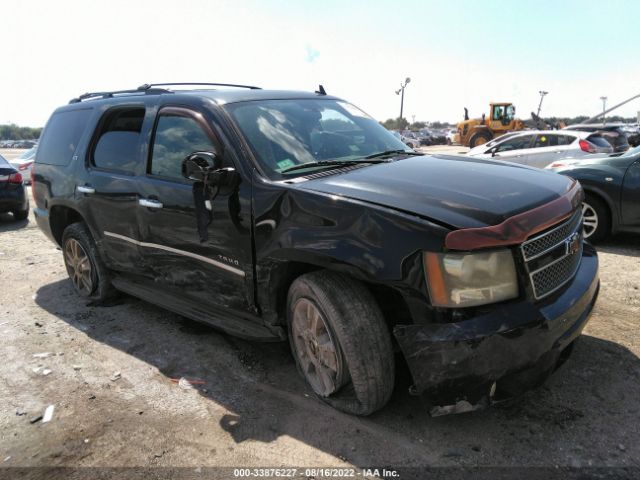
[[391, 152], [325, 163]]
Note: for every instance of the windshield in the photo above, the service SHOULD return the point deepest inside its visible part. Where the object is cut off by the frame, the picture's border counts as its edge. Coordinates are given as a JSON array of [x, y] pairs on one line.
[[286, 133]]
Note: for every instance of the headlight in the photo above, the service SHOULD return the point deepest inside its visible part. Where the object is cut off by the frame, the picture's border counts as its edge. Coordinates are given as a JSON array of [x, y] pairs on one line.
[[469, 279]]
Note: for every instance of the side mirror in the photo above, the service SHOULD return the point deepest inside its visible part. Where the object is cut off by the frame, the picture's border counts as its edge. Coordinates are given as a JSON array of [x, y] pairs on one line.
[[493, 151], [199, 165]]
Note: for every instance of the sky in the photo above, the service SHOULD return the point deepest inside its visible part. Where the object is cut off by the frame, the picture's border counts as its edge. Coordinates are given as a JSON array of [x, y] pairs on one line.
[[457, 54]]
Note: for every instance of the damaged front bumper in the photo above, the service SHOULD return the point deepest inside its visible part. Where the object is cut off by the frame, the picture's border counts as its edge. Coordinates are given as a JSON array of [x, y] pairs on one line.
[[517, 345]]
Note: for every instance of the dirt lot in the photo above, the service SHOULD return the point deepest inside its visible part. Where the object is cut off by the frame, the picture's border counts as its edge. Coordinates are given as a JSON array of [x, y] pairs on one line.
[[253, 410]]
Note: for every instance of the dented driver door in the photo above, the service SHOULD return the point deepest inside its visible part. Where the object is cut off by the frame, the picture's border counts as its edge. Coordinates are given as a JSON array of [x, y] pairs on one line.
[[215, 270]]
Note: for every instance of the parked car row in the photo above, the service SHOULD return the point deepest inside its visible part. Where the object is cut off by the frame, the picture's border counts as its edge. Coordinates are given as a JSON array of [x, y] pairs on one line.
[[423, 137], [18, 143]]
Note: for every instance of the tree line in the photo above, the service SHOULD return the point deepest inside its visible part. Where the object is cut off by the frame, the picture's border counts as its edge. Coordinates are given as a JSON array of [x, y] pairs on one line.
[[14, 132]]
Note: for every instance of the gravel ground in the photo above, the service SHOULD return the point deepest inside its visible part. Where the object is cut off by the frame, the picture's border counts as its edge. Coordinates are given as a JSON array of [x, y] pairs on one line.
[[112, 372]]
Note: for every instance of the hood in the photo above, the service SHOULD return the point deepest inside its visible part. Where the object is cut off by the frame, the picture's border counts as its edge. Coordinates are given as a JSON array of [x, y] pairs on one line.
[[459, 192]]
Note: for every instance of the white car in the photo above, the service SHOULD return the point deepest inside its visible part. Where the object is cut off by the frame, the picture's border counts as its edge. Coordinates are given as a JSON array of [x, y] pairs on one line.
[[539, 148], [451, 136], [24, 164]]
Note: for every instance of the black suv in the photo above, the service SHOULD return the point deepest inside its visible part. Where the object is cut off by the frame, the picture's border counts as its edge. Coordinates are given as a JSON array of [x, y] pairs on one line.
[[280, 214]]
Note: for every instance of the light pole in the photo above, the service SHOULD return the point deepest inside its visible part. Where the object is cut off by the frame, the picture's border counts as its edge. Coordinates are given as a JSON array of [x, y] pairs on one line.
[[401, 92], [542, 94], [604, 107]]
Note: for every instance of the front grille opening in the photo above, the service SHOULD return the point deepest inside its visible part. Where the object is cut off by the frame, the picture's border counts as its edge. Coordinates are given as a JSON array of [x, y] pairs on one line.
[[551, 238], [552, 258]]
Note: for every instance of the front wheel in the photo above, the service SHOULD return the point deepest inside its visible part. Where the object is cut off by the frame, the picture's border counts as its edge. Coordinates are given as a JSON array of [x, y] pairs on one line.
[[340, 342]]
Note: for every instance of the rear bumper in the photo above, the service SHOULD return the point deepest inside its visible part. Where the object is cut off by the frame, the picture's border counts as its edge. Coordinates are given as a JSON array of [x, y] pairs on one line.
[[453, 360], [14, 199], [42, 219]]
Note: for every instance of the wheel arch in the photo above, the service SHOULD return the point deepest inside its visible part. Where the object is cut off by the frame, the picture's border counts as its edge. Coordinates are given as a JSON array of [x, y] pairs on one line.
[[275, 283], [60, 217]]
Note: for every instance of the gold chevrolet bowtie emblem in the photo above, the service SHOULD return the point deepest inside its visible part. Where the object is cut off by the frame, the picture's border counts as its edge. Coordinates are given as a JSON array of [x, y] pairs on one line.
[[573, 243]]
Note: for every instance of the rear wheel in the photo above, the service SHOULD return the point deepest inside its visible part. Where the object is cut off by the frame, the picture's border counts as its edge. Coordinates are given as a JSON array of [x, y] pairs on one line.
[[89, 276], [479, 138], [340, 342], [596, 219], [21, 214]]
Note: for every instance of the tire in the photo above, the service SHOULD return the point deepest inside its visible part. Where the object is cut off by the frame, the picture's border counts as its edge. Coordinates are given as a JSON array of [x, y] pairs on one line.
[[90, 277], [597, 219], [21, 214], [352, 334], [479, 138]]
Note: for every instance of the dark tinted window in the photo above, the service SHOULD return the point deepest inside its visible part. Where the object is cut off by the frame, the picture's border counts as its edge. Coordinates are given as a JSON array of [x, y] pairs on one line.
[[177, 137], [61, 136], [517, 143], [598, 140], [118, 138]]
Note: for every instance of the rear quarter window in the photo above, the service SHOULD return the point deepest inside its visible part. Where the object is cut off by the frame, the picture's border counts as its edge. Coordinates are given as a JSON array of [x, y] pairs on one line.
[[61, 136]]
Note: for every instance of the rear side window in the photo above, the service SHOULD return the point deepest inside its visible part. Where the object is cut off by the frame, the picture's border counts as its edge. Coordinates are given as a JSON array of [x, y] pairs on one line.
[[61, 136], [553, 140], [517, 143], [598, 141], [116, 144]]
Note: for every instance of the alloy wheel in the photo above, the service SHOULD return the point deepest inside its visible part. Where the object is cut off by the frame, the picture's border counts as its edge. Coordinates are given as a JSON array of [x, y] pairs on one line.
[[318, 355], [78, 267], [590, 220]]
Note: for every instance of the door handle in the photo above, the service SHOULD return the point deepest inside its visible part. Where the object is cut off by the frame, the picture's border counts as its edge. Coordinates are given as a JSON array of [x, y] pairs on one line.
[[150, 203], [85, 189]]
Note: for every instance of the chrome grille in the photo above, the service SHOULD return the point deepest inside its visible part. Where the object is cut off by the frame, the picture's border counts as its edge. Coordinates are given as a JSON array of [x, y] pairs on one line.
[[553, 276], [553, 257], [540, 244]]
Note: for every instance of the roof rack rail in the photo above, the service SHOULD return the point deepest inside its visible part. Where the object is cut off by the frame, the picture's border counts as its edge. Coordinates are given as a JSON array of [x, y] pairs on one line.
[[147, 90], [149, 85], [150, 89]]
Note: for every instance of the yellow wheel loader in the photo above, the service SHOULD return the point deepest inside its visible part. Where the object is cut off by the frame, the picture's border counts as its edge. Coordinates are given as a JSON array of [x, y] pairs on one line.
[[477, 131]]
